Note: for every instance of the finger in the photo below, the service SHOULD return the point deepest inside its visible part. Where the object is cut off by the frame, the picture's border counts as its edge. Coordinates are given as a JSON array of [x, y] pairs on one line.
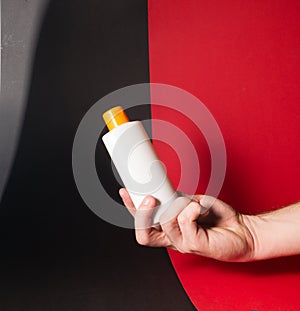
[[207, 201], [219, 213], [174, 209], [197, 198], [172, 231], [127, 201], [145, 233], [182, 194], [187, 221], [144, 214], [169, 224]]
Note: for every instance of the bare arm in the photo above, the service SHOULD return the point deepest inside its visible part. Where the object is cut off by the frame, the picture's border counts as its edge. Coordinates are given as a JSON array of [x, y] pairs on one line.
[[275, 233], [222, 233]]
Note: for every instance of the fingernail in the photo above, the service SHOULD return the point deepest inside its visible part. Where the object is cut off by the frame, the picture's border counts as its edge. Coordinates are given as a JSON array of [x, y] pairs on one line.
[[207, 201], [147, 202], [203, 210]]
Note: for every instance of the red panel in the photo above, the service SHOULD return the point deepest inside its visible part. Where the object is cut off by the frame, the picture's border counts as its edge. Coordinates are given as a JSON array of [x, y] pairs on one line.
[[242, 59]]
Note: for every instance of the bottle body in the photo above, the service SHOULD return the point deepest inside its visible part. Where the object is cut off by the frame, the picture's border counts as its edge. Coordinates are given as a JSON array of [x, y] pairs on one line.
[[138, 166]]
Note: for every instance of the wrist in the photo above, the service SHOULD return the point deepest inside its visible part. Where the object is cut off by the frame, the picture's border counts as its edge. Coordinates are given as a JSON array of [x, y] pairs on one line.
[[275, 233], [251, 223]]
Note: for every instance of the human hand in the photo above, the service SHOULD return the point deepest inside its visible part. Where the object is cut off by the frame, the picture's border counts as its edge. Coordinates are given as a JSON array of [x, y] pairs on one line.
[[220, 233]]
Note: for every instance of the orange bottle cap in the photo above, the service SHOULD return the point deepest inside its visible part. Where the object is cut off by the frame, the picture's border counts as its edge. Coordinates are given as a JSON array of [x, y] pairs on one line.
[[115, 117]]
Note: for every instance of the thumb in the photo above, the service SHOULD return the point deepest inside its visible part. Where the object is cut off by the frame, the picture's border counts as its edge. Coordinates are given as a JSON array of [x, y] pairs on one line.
[[217, 211], [144, 213]]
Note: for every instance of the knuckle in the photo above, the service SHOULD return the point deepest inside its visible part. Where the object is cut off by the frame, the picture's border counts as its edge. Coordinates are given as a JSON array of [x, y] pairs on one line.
[[182, 219], [191, 248], [181, 247], [143, 240], [167, 226], [190, 244], [193, 206], [183, 250]]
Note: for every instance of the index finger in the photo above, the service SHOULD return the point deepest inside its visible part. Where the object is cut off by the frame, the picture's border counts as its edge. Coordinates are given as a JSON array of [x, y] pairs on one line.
[[127, 201]]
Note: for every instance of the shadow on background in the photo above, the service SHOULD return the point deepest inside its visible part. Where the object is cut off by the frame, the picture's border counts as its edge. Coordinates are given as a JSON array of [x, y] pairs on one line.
[[55, 253]]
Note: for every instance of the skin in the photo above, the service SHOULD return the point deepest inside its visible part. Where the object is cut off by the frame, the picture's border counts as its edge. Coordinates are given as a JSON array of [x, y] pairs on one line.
[[219, 232]]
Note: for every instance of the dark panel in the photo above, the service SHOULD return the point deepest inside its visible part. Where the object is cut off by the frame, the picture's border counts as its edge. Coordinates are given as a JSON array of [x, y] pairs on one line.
[[55, 253]]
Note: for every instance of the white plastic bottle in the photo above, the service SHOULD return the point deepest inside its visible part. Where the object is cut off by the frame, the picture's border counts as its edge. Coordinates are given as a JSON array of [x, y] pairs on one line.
[[136, 161]]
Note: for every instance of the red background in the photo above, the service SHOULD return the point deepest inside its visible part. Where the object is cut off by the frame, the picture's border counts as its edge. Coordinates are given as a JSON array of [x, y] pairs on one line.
[[241, 59]]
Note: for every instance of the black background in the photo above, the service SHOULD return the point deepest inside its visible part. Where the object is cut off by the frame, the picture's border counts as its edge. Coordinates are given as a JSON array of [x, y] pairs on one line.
[[55, 253]]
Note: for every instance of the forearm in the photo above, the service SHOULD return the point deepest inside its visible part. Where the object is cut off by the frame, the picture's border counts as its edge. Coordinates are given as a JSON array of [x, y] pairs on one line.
[[275, 233]]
